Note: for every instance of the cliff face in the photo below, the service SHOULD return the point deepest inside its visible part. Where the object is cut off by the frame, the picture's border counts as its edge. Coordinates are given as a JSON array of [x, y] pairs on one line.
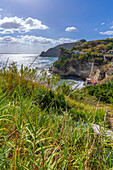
[[77, 69], [67, 65], [107, 73], [55, 51]]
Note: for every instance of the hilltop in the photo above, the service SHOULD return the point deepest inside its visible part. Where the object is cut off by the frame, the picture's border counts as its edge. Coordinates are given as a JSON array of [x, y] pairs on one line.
[[87, 59], [103, 45], [55, 51]]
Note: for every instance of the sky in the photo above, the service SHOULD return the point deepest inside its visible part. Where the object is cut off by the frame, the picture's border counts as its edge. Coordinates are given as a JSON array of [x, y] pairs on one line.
[[33, 26]]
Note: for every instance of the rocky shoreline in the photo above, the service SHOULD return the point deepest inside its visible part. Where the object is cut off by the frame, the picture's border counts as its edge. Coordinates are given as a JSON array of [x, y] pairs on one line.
[[84, 65], [76, 69]]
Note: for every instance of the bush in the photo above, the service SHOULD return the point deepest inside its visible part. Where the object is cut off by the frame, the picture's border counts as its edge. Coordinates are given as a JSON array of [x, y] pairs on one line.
[[49, 100], [64, 89], [34, 138], [103, 92]]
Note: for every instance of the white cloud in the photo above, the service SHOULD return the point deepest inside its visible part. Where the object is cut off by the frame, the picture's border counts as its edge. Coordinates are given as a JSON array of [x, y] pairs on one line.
[[20, 25], [106, 33], [111, 27], [9, 40], [29, 44], [103, 23], [31, 40], [70, 29], [36, 40], [42, 40], [7, 31], [1, 9], [64, 40], [31, 23]]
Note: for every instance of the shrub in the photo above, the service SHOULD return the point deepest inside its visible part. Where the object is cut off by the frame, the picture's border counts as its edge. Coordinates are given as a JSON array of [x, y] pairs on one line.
[[64, 89], [104, 92], [49, 100]]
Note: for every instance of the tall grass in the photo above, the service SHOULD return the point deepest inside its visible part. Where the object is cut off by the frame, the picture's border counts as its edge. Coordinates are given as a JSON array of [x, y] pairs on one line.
[[33, 137]]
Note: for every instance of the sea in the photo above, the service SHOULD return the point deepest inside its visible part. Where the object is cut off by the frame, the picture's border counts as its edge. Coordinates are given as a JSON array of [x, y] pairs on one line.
[[34, 60]]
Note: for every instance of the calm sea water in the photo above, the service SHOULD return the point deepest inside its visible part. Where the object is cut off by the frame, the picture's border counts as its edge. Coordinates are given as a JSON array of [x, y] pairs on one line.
[[40, 62]]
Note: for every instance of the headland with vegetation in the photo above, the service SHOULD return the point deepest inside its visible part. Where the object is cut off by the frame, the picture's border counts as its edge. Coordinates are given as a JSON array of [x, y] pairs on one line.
[[46, 128]]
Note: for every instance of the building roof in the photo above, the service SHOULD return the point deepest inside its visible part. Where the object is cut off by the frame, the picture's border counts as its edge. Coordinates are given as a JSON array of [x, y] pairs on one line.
[[93, 81], [82, 52], [108, 56], [111, 50]]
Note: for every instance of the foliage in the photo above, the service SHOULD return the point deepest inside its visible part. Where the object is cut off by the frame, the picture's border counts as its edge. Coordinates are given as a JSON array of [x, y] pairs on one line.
[[33, 135], [74, 56], [89, 55], [50, 101], [64, 89], [66, 55], [103, 92], [97, 45]]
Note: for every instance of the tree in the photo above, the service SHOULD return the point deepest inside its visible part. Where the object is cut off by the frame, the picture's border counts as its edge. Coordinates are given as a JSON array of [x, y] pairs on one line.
[[83, 40]]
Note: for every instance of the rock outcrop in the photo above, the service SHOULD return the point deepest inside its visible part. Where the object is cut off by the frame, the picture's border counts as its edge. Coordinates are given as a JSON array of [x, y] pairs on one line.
[[55, 51], [67, 65], [77, 69], [106, 73]]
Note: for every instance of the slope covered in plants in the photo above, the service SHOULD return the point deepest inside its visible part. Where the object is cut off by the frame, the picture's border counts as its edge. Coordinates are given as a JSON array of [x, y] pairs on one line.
[[41, 128]]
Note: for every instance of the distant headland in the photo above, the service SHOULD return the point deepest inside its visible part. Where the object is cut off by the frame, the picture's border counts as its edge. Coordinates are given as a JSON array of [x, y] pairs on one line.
[[55, 51]]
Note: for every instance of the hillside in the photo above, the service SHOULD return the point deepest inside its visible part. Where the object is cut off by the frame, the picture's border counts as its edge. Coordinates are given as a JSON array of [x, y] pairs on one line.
[[96, 45], [78, 66], [86, 60], [55, 51], [41, 128]]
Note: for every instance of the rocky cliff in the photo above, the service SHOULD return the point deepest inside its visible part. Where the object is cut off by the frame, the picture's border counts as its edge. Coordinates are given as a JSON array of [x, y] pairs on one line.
[[79, 67], [55, 51]]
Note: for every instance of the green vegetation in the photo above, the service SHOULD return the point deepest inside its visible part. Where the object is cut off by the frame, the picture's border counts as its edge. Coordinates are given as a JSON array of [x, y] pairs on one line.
[[97, 45], [103, 92], [38, 128], [91, 56], [69, 56], [64, 89], [89, 51]]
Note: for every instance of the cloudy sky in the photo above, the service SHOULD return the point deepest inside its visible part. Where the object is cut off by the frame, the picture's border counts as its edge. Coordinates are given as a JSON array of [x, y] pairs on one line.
[[31, 26]]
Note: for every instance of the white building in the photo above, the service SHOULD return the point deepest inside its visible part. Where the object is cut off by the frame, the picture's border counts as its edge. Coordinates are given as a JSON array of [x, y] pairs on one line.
[[76, 52], [108, 57], [110, 51]]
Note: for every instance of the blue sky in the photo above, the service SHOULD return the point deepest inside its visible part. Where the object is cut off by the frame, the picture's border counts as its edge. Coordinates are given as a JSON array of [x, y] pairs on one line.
[[31, 26]]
